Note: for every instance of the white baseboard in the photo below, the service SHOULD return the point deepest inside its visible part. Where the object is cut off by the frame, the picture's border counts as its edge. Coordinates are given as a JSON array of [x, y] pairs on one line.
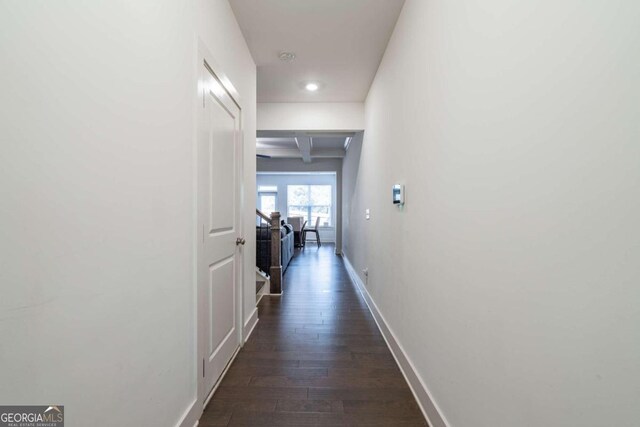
[[250, 324], [429, 408], [191, 416]]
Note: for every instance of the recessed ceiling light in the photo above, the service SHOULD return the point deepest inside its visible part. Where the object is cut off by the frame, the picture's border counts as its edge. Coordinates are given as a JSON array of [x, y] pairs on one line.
[[311, 87], [287, 56]]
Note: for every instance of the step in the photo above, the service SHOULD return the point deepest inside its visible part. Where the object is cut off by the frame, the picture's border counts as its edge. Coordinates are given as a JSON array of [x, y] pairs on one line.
[[259, 285]]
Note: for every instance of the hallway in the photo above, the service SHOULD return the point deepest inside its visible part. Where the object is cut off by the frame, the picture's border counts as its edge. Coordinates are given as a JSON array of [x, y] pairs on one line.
[[316, 357]]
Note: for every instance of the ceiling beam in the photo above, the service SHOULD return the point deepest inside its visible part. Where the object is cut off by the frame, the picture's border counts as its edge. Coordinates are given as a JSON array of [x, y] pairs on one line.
[[329, 153], [311, 133], [279, 153], [294, 153], [304, 145]]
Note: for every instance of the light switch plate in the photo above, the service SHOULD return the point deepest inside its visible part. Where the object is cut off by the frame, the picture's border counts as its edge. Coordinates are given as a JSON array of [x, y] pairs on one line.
[[367, 214]]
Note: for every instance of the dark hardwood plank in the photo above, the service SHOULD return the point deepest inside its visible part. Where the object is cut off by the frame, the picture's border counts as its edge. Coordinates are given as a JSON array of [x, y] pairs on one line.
[[368, 393], [344, 382], [316, 358], [393, 372], [270, 362], [262, 371], [219, 411], [312, 347], [287, 419], [402, 408], [247, 392], [222, 406], [309, 405], [347, 364]]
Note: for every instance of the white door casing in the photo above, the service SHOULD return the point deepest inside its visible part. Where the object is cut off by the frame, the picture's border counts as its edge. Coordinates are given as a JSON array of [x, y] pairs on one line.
[[219, 269]]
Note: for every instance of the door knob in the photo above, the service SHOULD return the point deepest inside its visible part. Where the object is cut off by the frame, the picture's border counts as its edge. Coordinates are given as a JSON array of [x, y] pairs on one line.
[[240, 241]]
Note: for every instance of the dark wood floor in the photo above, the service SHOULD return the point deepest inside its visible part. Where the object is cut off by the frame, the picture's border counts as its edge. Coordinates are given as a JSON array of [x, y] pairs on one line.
[[316, 358]]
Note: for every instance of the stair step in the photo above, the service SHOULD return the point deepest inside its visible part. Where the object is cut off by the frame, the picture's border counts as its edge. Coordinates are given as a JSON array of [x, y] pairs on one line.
[[259, 285]]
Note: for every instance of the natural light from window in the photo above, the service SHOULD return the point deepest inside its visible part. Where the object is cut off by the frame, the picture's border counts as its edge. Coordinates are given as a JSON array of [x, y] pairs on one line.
[[268, 197], [310, 202]]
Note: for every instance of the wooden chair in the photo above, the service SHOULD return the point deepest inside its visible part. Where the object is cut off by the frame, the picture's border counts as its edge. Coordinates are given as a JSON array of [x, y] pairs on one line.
[[301, 234], [298, 224], [315, 230]]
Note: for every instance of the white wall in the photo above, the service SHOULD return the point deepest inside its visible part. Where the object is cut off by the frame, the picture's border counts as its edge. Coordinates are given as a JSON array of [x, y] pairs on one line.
[[97, 215], [511, 276], [282, 181], [318, 165], [331, 116]]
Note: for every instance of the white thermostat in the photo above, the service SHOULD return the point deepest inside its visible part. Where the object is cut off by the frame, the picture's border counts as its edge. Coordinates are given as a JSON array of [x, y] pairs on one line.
[[398, 194]]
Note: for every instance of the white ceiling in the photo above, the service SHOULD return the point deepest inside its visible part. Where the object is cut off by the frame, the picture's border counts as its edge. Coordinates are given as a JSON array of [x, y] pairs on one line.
[[302, 145], [338, 43], [322, 143]]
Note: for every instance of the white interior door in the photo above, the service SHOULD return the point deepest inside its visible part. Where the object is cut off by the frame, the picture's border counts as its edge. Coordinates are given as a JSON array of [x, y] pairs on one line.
[[219, 148]]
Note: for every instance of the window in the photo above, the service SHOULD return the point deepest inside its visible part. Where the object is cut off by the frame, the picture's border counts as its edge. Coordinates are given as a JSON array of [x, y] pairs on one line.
[[267, 198], [310, 202], [268, 202]]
